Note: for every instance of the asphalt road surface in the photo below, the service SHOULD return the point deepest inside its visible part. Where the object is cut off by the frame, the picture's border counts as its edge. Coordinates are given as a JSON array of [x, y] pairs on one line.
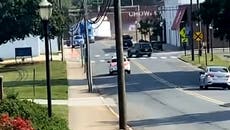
[[162, 92]]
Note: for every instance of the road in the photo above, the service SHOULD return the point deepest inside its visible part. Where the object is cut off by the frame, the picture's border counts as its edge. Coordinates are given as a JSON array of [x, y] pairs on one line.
[[162, 92]]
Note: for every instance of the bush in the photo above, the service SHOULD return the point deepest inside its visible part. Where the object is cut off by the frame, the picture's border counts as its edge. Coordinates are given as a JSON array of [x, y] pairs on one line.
[[36, 113], [17, 123]]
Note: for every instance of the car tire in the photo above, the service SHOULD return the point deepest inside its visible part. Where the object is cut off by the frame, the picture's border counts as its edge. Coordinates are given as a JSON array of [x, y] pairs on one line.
[[128, 72], [229, 87], [201, 87], [129, 55], [110, 73], [206, 87], [149, 55]]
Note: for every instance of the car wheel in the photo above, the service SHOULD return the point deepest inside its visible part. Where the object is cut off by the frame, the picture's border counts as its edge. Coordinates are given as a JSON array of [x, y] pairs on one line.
[[110, 73], [229, 87], [201, 87], [128, 72], [149, 55], [205, 86], [129, 55]]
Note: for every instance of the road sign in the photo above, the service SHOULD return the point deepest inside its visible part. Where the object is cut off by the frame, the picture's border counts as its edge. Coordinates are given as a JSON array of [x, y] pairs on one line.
[[184, 40], [183, 32], [198, 36]]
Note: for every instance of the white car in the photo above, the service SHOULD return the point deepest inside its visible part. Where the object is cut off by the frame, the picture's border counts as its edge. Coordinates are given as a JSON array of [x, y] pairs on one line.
[[215, 76], [78, 40], [113, 65]]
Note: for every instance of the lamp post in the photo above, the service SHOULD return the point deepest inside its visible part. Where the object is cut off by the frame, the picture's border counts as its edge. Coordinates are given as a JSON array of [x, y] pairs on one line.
[[137, 26], [45, 13], [211, 35]]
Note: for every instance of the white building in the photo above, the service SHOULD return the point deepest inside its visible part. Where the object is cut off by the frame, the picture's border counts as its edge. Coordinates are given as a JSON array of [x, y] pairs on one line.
[[7, 50], [173, 12]]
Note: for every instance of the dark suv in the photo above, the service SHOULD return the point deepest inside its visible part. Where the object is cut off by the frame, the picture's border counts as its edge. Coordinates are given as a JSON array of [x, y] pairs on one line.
[[140, 49], [127, 41]]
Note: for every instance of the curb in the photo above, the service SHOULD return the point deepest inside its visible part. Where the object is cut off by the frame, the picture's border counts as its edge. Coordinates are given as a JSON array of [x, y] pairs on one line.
[[98, 90]]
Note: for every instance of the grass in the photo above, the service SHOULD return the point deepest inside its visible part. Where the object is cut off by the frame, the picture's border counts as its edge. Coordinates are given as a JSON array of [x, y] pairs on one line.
[[61, 111], [216, 60], [18, 78]]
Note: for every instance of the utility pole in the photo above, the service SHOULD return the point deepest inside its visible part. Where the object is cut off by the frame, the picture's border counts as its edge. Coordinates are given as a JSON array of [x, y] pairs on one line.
[[199, 29], [191, 31], [120, 65], [87, 54]]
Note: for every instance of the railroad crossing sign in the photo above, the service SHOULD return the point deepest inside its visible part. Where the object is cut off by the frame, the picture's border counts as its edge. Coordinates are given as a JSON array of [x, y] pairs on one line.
[[198, 36]]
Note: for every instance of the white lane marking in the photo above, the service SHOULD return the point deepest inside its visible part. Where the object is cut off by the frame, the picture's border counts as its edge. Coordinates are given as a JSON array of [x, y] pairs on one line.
[[102, 61], [154, 57], [107, 55], [97, 56], [197, 95], [163, 57], [173, 57], [143, 58]]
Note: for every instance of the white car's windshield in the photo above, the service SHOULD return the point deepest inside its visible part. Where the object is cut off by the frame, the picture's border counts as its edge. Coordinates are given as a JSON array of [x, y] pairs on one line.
[[225, 70]]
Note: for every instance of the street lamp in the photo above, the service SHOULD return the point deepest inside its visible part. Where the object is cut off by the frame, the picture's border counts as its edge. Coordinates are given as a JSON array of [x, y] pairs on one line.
[[211, 34], [137, 26], [45, 13]]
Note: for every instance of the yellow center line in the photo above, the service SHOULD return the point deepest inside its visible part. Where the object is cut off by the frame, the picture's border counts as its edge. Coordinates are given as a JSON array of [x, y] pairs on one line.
[[197, 95]]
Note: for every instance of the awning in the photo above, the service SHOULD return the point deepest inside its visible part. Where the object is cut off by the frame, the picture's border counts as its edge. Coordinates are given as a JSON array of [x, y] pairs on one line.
[[179, 15]]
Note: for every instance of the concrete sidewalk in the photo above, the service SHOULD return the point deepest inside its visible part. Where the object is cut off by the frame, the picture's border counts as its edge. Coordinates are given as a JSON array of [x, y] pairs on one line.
[[87, 111]]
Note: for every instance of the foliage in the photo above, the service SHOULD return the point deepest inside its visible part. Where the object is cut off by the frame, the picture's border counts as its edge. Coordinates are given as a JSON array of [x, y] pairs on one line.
[[16, 123], [20, 18], [36, 113], [217, 13], [153, 26]]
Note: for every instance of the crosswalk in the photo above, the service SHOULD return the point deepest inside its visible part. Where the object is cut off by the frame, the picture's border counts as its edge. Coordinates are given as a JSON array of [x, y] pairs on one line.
[[99, 59]]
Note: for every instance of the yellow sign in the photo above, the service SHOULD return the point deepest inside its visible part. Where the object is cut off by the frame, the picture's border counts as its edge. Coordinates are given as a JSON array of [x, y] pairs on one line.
[[198, 36], [183, 32], [184, 40]]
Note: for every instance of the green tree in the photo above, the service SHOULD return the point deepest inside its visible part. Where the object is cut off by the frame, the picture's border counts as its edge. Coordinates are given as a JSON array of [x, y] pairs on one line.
[[20, 18]]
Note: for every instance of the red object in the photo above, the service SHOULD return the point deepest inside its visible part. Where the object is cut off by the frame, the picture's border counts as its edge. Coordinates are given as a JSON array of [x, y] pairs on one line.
[[179, 15]]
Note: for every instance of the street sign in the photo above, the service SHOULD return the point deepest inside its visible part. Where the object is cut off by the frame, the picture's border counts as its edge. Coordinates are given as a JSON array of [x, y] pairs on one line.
[[198, 36], [183, 32], [184, 40]]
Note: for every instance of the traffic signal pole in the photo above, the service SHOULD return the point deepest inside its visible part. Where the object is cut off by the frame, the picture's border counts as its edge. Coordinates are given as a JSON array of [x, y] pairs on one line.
[[120, 65]]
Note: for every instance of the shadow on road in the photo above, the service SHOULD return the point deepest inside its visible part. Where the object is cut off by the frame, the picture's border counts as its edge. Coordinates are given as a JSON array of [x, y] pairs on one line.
[[210, 117]]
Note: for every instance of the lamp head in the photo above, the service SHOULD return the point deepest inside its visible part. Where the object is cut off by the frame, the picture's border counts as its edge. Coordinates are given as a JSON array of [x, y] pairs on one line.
[[45, 10]]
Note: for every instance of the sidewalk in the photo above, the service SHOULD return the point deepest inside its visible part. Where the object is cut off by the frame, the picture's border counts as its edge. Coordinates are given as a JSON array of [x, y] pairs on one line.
[[87, 111]]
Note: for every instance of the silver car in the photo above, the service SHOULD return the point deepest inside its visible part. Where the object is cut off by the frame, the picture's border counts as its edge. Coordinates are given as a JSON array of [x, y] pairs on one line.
[[215, 76]]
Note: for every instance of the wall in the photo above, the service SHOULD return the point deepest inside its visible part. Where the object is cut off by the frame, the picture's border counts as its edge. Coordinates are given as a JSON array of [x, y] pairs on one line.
[[38, 47], [169, 13]]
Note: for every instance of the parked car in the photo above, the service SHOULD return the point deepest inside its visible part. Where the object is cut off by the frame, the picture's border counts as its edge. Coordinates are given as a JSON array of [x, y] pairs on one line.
[[67, 42], [78, 40], [127, 41], [215, 76], [113, 65], [140, 49]]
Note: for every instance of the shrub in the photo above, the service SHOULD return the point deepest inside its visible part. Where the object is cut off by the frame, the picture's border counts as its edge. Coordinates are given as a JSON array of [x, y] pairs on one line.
[[17, 123], [36, 113]]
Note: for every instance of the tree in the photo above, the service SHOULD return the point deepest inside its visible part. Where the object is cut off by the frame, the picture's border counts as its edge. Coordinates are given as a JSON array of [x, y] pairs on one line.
[[20, 18]]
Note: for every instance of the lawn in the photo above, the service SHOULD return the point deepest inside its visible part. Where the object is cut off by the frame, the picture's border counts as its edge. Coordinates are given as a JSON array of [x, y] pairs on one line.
[[21, 79], [216, 60], [61, 111]]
